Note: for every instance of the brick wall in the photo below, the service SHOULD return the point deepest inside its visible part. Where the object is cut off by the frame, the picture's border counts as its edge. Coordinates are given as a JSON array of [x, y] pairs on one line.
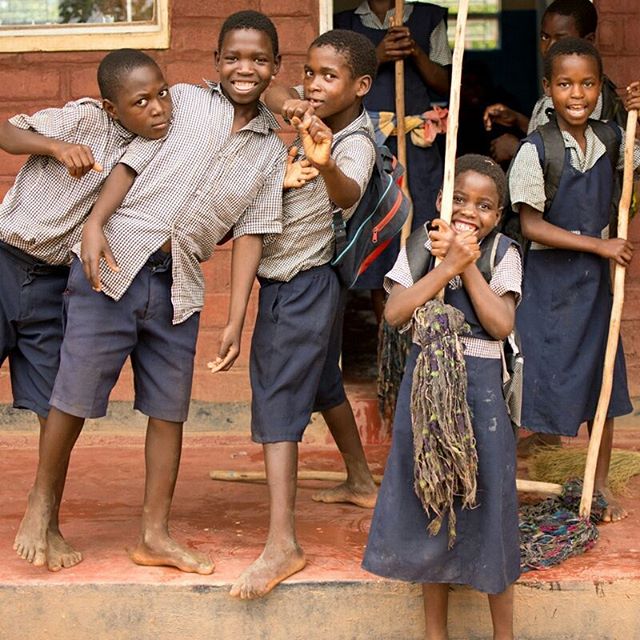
[[618, 38], [32, 81]]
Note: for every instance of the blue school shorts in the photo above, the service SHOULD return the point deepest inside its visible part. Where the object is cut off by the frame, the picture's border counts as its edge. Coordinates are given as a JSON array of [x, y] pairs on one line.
[[30, 325], [101, 332], [295, 354]]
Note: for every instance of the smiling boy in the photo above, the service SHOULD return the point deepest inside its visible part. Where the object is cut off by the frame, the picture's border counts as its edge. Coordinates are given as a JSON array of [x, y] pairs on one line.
[[221, 166]]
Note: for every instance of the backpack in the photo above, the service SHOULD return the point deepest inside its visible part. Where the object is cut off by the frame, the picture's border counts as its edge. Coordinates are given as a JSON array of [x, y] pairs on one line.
[[378, 218], [553, 165], [421, 262]]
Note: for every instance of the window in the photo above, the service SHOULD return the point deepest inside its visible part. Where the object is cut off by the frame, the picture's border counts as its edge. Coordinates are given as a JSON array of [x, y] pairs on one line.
[[73, 25], [483, 23]]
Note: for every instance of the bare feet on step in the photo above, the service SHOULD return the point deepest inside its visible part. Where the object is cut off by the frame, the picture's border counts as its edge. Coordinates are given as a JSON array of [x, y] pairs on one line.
[[614, 511], [31, 540], [364, 496], [270, 569], [166, 552], [60, 554]]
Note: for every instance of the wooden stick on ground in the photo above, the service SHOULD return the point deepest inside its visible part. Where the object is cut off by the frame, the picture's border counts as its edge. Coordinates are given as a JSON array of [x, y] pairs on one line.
[[614, 325]]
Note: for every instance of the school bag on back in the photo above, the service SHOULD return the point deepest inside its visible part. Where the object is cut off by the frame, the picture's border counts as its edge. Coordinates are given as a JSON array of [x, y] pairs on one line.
[[378, 218], [553, 165]]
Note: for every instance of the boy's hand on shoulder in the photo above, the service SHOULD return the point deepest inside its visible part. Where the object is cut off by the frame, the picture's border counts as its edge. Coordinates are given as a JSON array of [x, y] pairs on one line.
[[500, 114], [229, 349], [617, 249], [316, 139], [298, 172], [631, 99], [94, 247], [296, 109], [78, 158]]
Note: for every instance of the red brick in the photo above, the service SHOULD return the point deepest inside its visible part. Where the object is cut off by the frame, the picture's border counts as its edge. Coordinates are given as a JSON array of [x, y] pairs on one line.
[[218, 9], [226, 386], [82, 81], [10, 164], [290, 8], [192, 71], [295, 34], [610, 31], [189, 34], [32, 83]]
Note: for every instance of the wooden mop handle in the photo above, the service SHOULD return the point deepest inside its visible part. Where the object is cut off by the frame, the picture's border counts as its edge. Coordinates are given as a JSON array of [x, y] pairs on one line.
[[452, 121], [614, 324]]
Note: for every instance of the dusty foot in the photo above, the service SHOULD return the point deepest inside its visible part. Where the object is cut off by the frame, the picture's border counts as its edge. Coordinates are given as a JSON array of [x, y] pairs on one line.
[[60, 554], [166, 552], [31, 540], [269, 570], [365, 498], [614, 511], [526, 446]]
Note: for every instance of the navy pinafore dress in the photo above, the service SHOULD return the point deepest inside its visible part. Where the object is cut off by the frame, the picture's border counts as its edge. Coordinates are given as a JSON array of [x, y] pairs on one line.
[[486, 553], [424, 165], [563, 319]]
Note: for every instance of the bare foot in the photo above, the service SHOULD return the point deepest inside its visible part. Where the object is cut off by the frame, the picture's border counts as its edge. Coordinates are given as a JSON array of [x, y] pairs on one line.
[[614, 510], [31, 540], [60, 554], [165, 552], [269, 570], [526, 446], [345, 492]]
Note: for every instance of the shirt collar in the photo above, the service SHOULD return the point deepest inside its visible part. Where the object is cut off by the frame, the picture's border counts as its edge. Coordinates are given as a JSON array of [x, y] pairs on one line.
[[363, 9], [263, 123]]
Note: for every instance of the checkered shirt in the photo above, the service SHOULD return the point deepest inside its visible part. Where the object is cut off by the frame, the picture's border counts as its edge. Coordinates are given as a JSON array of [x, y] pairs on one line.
[[202, 183], [307, 239], [439, 51], [526, 177], [506, 278], [43, 211]]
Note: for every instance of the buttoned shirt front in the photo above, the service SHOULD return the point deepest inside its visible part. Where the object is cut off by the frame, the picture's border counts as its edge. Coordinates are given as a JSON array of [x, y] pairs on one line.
[[203, 182], [43, 211]]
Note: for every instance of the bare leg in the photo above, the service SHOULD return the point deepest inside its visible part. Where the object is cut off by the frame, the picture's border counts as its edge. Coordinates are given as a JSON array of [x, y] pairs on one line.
[[377, 301], [436, 606], [359, 487], [156, 547], [501, 606], [614, 510], [282, 556], [56, 443]]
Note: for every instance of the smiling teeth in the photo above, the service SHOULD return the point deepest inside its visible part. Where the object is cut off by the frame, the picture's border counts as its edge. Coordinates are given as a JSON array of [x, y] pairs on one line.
[[463, 226], [244, 85]]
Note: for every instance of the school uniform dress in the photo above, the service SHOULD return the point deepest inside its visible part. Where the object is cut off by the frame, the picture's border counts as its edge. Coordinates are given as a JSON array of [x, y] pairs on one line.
[[564, 316], [486, 552], [40, 220], [427, 24], [295, 350], [200, 183]]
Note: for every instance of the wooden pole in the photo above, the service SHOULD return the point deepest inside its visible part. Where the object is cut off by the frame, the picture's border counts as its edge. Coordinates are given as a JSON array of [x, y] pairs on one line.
[[614, 324]]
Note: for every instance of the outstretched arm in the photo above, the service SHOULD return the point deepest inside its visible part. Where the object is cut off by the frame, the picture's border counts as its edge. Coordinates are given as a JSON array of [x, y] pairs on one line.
[[78, 158], [94, 243], [245, 257]]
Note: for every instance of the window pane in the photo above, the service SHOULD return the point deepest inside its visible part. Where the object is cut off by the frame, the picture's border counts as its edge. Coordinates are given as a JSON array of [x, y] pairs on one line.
[[481, 33], [43, 12], [475, 6]]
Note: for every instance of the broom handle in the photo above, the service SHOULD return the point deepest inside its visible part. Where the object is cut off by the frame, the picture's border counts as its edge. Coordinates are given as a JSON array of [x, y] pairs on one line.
[[452, 121], [614, 324], [401, 133]]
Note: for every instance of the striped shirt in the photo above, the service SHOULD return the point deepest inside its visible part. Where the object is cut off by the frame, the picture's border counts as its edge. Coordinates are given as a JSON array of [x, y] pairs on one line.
[[439, 51], [307, 239], [526, 177], [201, 183], [43, 211], [506, 278]]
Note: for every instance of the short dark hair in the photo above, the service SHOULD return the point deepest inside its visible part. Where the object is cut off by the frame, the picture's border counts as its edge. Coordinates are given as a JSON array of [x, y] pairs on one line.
[[583, 13], [357, 50], [116, 65], [250, 20], [487, 167], [569, 47]]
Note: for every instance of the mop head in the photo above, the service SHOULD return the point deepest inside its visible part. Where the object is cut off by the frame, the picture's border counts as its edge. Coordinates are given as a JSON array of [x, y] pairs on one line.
[[557, 464], [552, 530], [393, 347], [445, 457]]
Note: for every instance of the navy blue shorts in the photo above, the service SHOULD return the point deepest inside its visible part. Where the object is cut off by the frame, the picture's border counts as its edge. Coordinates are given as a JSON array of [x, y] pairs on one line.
[[295, 354], [30, 325], [100, 333]]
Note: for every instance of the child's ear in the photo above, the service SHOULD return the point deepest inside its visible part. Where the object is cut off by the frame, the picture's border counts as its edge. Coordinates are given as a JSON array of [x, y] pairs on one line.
[[363, 86], [439, 201], [110, 108], [590, 37], [498, 217], [216, 60], [546, 85], [276, 66]]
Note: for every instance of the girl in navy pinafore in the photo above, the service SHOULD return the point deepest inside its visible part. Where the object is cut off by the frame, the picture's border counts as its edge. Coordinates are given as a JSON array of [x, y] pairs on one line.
[[486, 552]]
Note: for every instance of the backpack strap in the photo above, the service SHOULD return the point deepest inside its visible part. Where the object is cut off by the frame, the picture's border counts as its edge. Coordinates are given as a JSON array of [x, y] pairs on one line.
[[612, 107], [418, 257], [610, 135], [553, 161]]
